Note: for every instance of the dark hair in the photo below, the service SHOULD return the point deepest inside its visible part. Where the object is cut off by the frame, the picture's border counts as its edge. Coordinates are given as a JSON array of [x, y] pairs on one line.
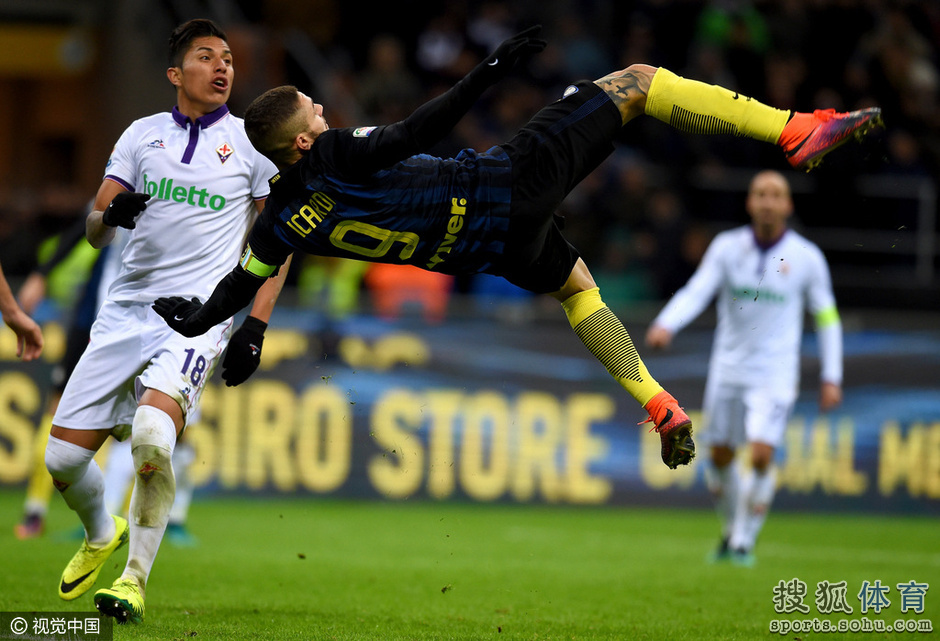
[[272, 121], [183, 36]]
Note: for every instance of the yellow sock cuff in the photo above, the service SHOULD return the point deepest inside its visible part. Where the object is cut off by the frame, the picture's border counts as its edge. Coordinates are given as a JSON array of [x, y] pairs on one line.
[[581, 305], [697, 107]]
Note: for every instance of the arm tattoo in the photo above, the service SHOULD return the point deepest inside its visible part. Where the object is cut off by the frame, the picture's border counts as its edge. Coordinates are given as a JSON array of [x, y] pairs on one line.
[[625, 88]]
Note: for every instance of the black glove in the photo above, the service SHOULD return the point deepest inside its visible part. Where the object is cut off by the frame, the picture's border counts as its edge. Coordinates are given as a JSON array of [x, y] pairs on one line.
[[244, 352], [512, 50], [180, 314], [124, 208]]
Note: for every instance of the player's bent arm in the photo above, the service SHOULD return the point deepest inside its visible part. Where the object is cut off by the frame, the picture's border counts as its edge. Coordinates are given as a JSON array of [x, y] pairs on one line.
[[692, 298], [269, 292], [267, 295], [97, 233], [191, 318], [821, 302], [243, 356], [829, 333], [433, 120]]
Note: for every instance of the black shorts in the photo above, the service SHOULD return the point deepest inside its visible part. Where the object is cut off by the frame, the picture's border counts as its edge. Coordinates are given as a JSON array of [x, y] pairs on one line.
[[557, 149]]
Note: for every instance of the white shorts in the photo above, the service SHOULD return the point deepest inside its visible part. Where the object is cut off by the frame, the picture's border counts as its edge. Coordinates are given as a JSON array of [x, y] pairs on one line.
[[739, 414], [132, 349]]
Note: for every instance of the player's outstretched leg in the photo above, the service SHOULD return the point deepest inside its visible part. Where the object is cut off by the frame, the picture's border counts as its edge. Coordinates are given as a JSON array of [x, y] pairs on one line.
[[605, 336], [805, 138]]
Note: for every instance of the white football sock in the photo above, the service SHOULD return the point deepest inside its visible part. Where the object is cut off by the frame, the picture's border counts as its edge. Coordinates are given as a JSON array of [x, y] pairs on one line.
[[723, 484], [118, 476], [762, 495], [756, 494], [183, 457], [74, 468], [153, 438]]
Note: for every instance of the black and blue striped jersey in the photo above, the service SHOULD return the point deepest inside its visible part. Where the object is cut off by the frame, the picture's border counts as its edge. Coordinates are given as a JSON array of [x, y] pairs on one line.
[[372, 193], [447, 215]]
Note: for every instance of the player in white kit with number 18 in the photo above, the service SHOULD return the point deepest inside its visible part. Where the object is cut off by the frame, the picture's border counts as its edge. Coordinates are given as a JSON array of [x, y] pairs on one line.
[[188, 184], [765, 277]]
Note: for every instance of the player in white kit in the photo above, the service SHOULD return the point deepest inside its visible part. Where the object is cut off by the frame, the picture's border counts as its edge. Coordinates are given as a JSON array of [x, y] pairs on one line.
[[187, 184], [764, 278]]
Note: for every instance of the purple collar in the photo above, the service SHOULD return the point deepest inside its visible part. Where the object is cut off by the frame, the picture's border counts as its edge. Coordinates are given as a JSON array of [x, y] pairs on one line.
[[764, 246], [207, 120], [201, 122]]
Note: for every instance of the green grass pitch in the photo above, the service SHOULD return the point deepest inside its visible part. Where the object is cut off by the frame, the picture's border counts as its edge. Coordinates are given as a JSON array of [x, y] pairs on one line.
[[304, 568]]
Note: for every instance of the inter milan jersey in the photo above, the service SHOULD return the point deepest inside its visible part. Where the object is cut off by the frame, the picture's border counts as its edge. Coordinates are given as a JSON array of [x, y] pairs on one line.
[[446, 215]]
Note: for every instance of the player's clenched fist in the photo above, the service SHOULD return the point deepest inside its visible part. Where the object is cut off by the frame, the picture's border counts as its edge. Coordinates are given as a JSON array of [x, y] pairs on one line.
[[124, 209], [244, 352]]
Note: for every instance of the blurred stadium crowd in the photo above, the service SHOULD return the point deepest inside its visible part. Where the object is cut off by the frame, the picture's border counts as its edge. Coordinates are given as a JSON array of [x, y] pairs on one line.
[[639, 219], [630, 217]]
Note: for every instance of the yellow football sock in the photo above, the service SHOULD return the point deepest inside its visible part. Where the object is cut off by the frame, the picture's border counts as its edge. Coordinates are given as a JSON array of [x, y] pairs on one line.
[[603, 333], [697, 107], [39, 487]]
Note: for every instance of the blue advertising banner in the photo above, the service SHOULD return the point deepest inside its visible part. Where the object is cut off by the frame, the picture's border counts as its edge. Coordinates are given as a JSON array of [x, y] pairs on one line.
[[478, 409]]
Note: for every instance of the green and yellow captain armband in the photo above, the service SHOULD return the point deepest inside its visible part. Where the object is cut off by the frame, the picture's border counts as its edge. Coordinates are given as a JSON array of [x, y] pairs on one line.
[[254, 266], [826, 317]]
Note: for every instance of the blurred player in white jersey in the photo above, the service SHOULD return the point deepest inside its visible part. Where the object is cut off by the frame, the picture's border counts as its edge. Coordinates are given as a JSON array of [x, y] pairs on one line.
[[765, 276], [188, 184]]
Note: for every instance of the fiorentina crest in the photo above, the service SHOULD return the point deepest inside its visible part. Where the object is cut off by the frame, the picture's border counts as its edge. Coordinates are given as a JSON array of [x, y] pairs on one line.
[[224, 151]]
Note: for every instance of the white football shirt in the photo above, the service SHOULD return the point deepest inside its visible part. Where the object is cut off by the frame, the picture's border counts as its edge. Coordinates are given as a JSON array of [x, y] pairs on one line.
[[204, 179], [762, 295]]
